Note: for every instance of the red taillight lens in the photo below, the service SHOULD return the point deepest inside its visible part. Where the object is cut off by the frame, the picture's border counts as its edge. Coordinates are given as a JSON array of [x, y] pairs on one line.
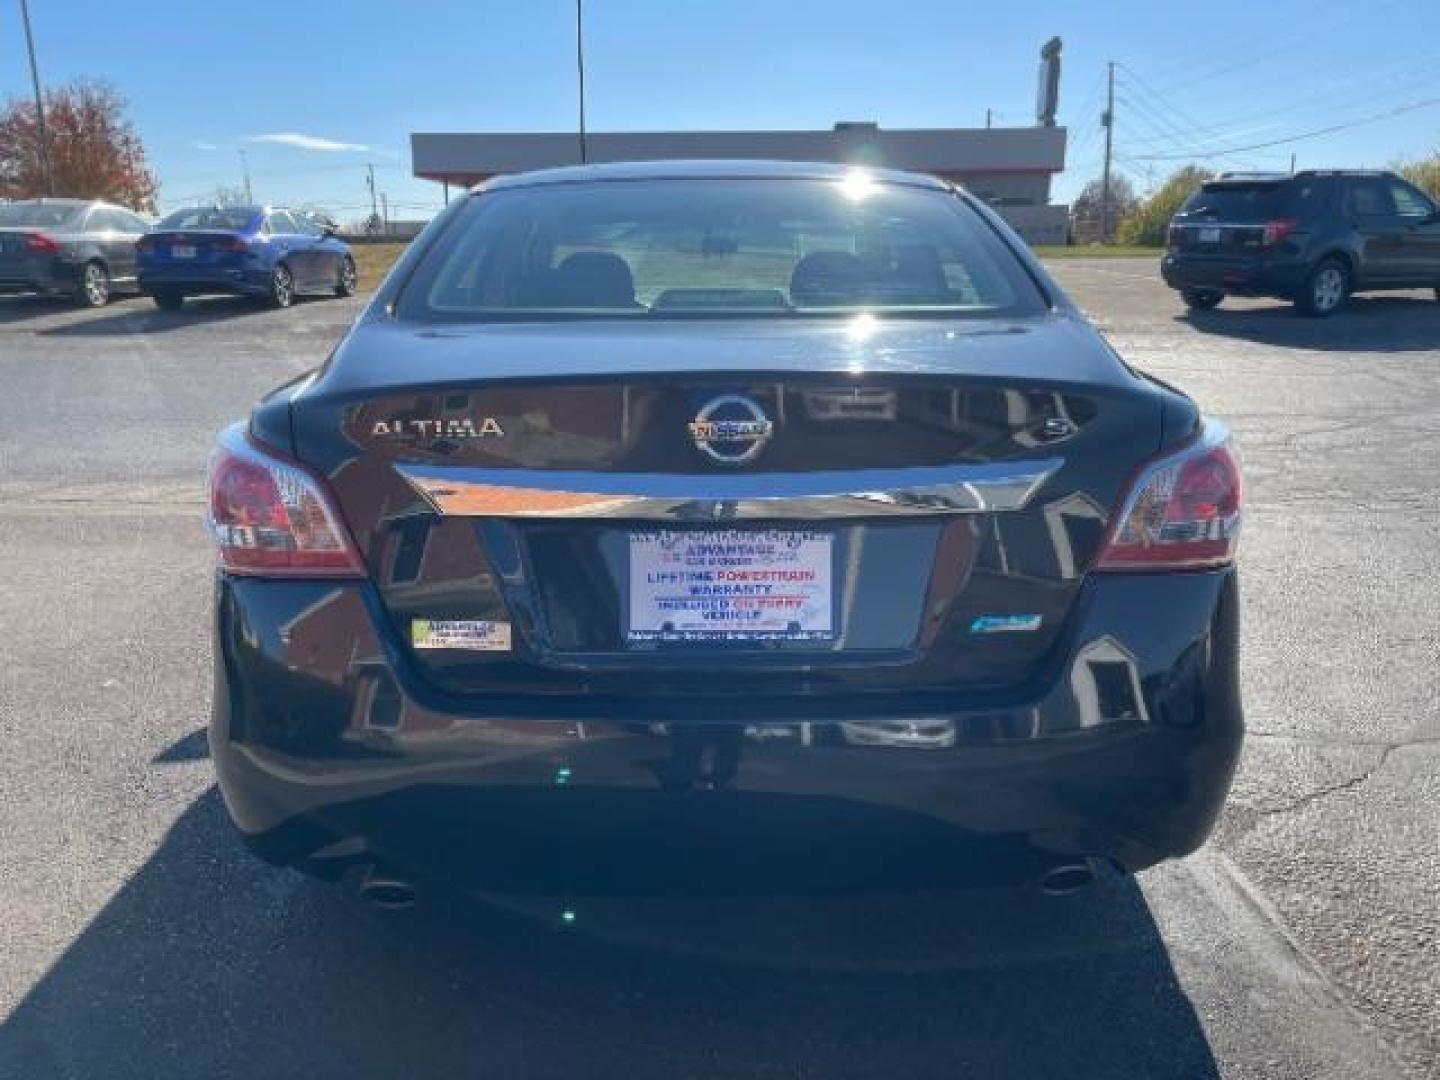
[[1276, 231], [1182, 512], [272, 517], [234, 244], [43, 243]]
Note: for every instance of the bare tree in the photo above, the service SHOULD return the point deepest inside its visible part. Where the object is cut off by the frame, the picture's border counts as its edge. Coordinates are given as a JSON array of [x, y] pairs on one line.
[[1085, 211], [226, 195]]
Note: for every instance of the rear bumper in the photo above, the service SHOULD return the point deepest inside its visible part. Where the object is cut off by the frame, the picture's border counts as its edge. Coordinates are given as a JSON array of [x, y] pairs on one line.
[[1242, 275], [238, 280], [51, 275], [325, 741]]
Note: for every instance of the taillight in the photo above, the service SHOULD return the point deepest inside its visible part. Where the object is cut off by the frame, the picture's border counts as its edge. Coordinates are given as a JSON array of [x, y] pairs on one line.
[[272, 517], [1181, 512], [234, 244], [1276, 231], [1173, 237], [43, 243]]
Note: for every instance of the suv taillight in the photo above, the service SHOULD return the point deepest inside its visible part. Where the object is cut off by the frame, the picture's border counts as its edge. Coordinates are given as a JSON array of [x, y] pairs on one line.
[[273, 517], [43, 243], [1276, 231], [1182, 512], [230, 243]]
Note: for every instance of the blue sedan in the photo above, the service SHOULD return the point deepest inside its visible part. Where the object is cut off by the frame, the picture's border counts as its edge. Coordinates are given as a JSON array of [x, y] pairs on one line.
[[266, 252]]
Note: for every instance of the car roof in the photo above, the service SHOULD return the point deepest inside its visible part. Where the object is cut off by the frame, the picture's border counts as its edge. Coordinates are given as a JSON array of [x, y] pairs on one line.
[[707, 169], [1281, 178], [55, 202], [213, 206]]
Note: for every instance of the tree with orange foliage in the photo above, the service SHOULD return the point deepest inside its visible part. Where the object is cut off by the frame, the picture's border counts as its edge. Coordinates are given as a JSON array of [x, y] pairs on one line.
[[94, 151]]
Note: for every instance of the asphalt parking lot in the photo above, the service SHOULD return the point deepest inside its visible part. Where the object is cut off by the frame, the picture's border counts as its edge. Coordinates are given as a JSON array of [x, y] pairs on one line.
[[139, 939]]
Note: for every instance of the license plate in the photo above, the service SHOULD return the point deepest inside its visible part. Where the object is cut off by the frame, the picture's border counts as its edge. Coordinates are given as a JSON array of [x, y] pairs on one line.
[[182, 251], [1209, 236], [731, 585]]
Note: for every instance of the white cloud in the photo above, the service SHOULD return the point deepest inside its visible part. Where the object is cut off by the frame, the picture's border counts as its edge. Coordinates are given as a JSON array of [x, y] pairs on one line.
[[201, 144], [306, 142]]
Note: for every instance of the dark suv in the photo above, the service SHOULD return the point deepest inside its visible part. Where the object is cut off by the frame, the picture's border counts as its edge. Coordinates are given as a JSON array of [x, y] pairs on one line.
[[1314, 238]]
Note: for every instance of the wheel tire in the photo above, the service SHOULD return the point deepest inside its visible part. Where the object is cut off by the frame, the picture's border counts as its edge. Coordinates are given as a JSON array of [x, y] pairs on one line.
[[1325, 290], [168, 300], [349, 279], [1201, 299], [94, 291], [282, 287]]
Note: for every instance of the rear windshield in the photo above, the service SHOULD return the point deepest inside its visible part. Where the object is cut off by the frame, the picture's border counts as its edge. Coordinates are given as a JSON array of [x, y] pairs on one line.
[[35, 215], [1256, 202], [756, 247], [210, 217]]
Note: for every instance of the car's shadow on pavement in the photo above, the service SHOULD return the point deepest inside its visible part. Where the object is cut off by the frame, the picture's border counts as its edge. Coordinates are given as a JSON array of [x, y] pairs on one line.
[[20, 307], [208, 963], [1366, 324], [147, 319]]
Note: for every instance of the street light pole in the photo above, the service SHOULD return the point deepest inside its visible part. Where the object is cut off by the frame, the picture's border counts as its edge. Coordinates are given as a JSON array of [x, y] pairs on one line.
[[39, 99], [580, 69], [245, 172]]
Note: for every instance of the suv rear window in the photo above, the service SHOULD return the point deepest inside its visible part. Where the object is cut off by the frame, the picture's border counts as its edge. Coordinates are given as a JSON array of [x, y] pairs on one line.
[[1229, 201], [755, 247]]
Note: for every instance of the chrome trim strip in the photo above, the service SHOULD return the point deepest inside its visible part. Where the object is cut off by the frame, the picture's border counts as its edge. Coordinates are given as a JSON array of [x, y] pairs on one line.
[[465, 491]]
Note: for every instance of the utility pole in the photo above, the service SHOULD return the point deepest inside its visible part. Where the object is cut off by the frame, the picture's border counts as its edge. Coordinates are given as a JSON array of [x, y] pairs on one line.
[[384, 214], [245, 171], [370, 180], [1109, 121], [987, 119], [580, 69], [39, 100]]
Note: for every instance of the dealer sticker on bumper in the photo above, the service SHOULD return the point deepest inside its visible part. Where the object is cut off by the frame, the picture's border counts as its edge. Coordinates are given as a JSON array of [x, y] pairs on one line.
[[731, 585], [477, 634]]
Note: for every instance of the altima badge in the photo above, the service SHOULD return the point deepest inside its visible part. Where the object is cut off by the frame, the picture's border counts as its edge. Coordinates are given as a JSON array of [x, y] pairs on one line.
[[731, 429], [438, 429]]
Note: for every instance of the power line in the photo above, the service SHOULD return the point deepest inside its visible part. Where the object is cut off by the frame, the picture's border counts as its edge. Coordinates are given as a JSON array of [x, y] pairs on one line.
[[1165, 133], [1087, 111], [1387, 114], [1220, 132], [1162, 101], [1295, 35]]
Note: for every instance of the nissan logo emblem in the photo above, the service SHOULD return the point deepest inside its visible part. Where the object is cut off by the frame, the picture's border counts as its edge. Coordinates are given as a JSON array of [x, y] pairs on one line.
[[731, 429]]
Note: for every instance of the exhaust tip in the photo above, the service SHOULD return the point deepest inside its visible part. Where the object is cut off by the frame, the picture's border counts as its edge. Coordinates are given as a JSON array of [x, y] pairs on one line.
[[1066, 879], [382, 889]]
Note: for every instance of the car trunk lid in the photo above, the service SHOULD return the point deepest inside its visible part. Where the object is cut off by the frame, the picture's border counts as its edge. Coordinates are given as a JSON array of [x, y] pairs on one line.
[[20, 260], [194, 248], [922, 507]]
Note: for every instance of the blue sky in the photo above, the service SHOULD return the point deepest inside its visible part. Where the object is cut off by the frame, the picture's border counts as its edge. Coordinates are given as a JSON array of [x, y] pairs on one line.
[[312, 90]]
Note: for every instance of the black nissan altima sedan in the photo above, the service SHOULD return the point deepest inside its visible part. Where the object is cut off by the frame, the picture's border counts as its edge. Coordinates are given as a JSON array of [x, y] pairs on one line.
[[685, 525]]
